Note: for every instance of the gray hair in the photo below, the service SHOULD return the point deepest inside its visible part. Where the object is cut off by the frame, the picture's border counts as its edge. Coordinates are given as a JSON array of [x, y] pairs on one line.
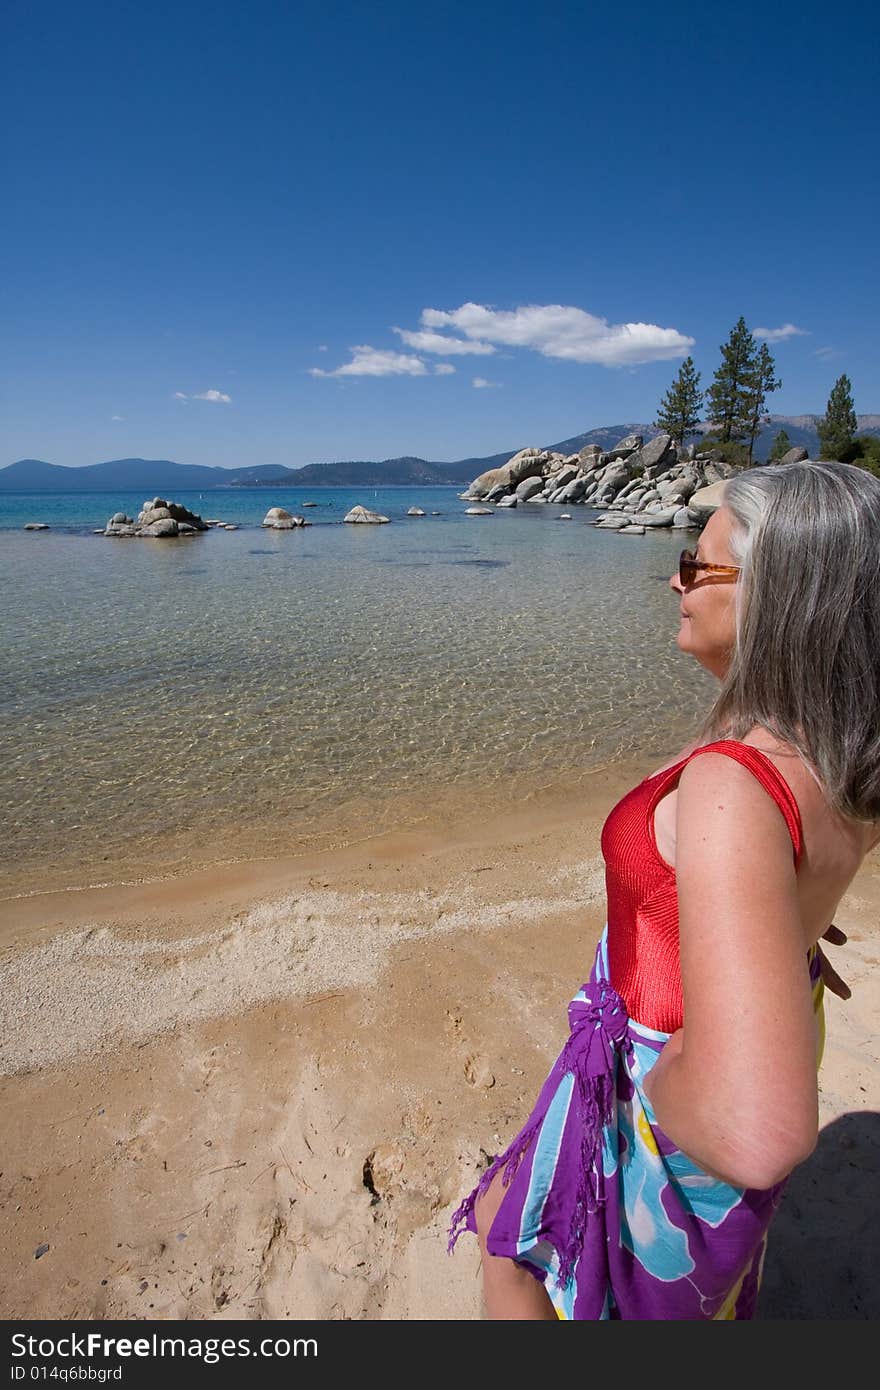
[[806, 663]]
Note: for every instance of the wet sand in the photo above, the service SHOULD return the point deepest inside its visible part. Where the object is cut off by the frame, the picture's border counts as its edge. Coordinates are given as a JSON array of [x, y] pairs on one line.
[[260, 1090]]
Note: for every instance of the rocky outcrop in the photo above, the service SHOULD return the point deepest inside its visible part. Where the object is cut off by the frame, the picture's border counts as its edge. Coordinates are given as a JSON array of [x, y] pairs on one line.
[[157, 518], [36, 526], [363, 514], [528, 463], [634, 485]]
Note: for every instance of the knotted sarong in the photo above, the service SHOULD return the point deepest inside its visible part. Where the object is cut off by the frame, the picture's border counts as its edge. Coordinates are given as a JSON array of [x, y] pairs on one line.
[[600, 1204]]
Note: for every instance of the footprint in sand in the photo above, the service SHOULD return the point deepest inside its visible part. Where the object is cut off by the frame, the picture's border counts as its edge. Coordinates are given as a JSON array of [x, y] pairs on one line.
[[477, 1073]]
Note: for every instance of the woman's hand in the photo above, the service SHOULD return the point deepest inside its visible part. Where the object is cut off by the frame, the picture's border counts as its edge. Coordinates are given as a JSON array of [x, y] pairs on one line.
[[671, 1049], [830, 977]]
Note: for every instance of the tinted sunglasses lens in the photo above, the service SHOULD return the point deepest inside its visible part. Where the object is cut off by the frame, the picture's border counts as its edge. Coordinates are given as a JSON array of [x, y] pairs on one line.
[[687, 570]]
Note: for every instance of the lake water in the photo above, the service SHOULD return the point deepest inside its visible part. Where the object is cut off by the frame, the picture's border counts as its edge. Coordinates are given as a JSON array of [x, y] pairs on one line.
[[168, 703]]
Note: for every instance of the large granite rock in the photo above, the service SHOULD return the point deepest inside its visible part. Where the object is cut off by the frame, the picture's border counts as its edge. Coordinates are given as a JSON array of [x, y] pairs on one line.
[[279, 519], [793, 456], [528, 463], [654, 456], [529, 487], [364, 515], [705, 501], [625, 447]]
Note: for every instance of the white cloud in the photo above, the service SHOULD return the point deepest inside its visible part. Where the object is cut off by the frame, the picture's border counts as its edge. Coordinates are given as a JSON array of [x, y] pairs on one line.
[[443, 369], [179, 396], [779, 335], [213, 396], [370, 361], [437, 342], [117, 417], [482, 384], [322, 347], [563, 331], [826, 353]]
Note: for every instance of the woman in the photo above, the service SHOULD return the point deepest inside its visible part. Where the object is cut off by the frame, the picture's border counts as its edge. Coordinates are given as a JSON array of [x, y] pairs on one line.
[[645, 1180]]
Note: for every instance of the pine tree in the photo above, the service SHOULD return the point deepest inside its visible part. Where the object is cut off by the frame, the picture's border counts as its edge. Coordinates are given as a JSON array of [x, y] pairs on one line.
[[838, 426], [680, 408], [760, 382], [781, 446], [728, 396]]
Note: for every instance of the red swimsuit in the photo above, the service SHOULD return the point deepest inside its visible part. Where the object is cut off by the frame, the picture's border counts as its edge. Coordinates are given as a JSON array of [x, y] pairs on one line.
[[641, 890]]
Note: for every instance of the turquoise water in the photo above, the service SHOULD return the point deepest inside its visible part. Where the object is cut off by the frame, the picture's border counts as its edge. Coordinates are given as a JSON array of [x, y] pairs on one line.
[[167, 703]]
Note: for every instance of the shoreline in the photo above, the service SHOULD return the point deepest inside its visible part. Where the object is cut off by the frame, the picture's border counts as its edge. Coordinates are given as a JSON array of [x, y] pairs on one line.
[[218, 1058]]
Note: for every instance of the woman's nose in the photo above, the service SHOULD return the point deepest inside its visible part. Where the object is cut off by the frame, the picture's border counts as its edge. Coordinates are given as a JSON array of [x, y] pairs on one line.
[[675, 584]]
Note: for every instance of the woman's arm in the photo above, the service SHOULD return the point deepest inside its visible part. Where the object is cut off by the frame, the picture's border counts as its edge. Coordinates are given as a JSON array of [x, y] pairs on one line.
[[737, 1091]]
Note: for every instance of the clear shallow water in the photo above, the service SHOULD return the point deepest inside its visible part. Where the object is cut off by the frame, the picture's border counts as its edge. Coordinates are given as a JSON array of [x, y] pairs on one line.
[[165, 703]]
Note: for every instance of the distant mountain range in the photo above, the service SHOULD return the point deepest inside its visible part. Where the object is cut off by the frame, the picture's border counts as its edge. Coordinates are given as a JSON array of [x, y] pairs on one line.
[[162, 475]]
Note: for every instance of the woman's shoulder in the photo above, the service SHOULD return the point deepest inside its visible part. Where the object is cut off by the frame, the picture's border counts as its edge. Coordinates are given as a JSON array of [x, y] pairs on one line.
[[829, 832]]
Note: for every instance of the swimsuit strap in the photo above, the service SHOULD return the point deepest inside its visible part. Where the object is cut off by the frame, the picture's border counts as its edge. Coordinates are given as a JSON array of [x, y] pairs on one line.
[[771, 780]]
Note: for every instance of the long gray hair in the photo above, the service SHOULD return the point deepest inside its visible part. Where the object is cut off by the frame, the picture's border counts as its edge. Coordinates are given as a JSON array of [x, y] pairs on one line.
[[806, 664]]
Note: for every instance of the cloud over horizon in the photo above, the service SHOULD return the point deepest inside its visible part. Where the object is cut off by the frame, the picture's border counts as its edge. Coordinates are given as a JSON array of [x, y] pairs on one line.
[[210, 395], [561, 331], [779, 335], [553, 330], [370, 361]]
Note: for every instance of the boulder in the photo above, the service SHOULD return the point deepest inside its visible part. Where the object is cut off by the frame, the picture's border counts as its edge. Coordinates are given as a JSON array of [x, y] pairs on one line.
[[506, 502], [36, 526], [276, 514], [626, 446], [654, 456], [474, 511], [793, 456], [705, 501], [574, 491], [589, 455], [528, 463], [566, 474], [414, 511], [613, 479], [363, 514], [631, 530], [682, 520], [496, 493], [529, 487], [120, 519], [165, 526], [117, 529], [662, 518], [564, 516]]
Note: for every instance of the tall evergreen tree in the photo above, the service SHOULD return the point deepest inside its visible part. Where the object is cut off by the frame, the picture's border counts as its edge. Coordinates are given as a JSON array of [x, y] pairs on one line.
[[781, 446], [837, 428], [728, 395], [760, 382], [680, 408]]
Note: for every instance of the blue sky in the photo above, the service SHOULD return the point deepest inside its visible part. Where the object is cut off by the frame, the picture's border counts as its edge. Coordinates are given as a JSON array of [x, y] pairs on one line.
[[219, 216]]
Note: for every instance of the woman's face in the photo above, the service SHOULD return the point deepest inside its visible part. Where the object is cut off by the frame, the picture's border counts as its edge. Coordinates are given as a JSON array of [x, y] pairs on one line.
[[708, 607]]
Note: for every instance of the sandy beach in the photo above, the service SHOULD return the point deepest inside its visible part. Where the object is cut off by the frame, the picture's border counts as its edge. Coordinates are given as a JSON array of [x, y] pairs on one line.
[[260, 1090]]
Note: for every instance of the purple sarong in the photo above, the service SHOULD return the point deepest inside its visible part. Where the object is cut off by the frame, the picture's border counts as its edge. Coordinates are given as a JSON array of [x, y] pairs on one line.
[[601, 1206]]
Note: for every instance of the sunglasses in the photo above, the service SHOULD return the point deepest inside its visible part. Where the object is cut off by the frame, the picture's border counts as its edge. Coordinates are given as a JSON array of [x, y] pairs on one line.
[[690, 568]]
